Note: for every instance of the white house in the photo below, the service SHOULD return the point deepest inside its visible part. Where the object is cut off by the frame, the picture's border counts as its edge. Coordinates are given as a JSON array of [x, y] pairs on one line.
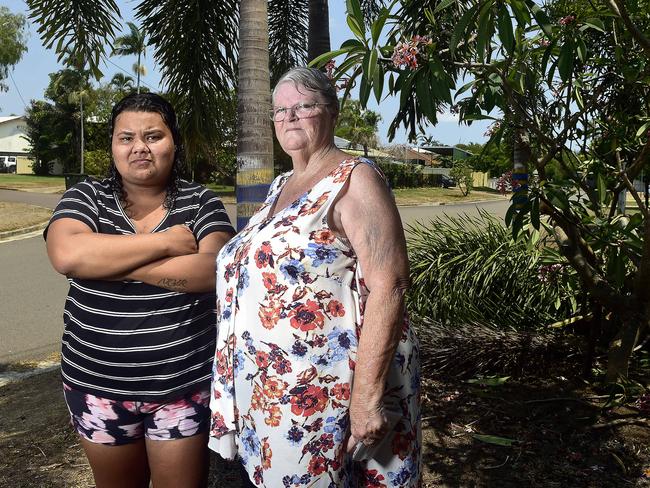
[[14, 148]]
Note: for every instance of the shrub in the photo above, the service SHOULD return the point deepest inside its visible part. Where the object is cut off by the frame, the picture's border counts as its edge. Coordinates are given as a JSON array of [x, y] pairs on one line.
[[97, 162], [462, 173], [470, 270]]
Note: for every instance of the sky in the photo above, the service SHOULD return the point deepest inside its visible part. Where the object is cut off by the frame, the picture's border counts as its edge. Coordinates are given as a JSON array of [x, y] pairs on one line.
[[29, 78]]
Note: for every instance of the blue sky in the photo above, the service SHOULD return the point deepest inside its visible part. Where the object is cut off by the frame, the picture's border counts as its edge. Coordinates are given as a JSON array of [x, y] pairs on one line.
[[30, 78]]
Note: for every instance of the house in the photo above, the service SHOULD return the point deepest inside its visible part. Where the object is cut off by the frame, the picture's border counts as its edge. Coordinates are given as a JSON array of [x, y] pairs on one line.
[[455, 153], [357, 149], [14, 148]]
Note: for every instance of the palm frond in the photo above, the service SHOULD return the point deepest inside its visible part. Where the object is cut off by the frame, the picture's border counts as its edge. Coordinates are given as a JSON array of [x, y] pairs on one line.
[[195, 45], [287, 35], [79, 29]]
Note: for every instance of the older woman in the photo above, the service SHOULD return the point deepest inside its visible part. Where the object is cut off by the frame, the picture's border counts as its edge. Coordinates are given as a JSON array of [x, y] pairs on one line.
[[316, 370], [139, 249]]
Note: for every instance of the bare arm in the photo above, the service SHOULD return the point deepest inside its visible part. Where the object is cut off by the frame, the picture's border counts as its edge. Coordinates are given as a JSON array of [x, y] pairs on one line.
[[76, 251], [369, 218], [193, 273]]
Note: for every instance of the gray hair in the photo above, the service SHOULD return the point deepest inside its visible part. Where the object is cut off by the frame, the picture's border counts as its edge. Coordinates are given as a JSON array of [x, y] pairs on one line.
[[313, 80]]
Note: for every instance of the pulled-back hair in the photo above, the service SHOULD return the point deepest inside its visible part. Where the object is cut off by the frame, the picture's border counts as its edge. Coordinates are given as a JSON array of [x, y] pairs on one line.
[[149, 102], [313, 80]]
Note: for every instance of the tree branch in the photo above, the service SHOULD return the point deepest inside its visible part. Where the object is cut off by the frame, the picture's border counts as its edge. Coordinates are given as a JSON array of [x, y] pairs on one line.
[[618, 7]]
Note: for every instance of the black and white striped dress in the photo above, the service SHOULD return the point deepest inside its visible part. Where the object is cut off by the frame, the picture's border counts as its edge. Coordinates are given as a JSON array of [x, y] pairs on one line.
[[128, 340]]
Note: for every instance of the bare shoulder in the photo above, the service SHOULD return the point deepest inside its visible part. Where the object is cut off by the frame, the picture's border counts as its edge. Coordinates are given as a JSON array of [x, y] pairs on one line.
[[366, 185]]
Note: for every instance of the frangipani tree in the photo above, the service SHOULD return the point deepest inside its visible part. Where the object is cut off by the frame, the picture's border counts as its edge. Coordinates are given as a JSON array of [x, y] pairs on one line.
[[565, 82]]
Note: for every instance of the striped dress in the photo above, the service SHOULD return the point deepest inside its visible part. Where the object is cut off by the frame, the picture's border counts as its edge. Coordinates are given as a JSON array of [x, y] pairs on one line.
[[128, 340]]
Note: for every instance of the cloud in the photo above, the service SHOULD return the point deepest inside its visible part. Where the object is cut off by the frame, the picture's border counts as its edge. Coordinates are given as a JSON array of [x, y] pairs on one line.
[[447, 117]]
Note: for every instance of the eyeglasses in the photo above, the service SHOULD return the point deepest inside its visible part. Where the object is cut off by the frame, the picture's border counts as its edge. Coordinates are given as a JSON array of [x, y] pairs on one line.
[[302, 111]]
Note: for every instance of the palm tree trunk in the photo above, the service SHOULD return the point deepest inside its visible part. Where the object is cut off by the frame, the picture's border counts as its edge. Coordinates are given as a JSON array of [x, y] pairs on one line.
[[254, 137], [319, 29], [81, 104], [139, 68]]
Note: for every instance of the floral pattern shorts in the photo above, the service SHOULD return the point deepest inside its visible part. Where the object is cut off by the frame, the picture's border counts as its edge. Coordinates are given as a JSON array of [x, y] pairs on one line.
[[117, 422]]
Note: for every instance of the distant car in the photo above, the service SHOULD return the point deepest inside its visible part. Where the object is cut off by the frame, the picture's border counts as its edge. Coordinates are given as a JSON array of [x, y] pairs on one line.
[[447, 181]]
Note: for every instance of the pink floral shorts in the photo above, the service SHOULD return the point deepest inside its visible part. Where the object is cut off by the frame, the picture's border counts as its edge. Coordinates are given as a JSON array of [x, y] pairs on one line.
[[116, 422]]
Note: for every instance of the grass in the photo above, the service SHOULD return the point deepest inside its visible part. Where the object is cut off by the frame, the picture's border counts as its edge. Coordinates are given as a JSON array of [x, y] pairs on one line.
[[30, 182], [403, 196], [419, 196], [20, 215]]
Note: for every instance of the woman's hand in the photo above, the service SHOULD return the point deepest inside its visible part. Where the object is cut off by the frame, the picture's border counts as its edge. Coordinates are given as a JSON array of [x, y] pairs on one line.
[[368, 423], [179, 241]]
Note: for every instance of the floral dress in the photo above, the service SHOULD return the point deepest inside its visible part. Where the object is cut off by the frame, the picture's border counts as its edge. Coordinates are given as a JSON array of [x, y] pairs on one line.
[[290, 302]]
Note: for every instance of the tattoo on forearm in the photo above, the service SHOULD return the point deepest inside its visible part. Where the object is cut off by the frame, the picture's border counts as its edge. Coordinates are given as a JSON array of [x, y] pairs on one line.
[[172, 284]]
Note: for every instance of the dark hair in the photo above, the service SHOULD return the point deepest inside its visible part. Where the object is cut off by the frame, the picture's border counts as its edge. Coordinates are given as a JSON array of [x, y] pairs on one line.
[[149, 102]]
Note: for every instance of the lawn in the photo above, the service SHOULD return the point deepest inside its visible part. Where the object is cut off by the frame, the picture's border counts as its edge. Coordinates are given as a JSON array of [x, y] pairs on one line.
[[31, 182], [403, 196]]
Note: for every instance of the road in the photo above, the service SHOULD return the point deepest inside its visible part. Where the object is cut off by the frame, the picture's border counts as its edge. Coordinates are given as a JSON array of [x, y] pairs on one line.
[[33, 293]]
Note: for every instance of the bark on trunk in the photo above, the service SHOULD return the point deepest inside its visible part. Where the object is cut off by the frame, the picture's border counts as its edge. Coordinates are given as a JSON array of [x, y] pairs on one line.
[[319, 29], [254, 137]]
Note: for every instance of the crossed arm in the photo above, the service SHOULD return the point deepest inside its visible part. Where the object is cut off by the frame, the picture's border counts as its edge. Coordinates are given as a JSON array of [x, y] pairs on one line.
[[367, 215], [171, 259]]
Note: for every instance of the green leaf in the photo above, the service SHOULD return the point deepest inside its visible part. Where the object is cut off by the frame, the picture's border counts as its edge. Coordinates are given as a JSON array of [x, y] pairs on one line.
[[581, 49], [521, 12], [325, 57], [424, 96], [540, 17], [442, 5], [372, 64], [565, 60], [356, 28], [378, 25], [595, 23], [495, 440], [534, 213], [378, 83], [364, 89], [352, 43], [601, 186], [354, 10], [489, 381], [505, 29], [459, 30], [643, 129]]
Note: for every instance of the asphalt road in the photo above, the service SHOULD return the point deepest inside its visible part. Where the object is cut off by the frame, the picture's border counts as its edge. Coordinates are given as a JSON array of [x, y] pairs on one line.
[[33, 294]]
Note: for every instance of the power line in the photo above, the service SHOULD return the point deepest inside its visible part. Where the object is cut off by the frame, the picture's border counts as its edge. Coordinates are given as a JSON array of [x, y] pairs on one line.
[[18, 90], [129, 73]]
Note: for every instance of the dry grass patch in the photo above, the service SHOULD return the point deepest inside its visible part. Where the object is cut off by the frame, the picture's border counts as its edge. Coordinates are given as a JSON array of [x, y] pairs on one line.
[[20, 215]]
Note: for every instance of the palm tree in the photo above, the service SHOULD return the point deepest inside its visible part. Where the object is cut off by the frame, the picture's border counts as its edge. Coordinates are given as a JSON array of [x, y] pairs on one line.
[[319, 29], [133, 43], [254, 138], [122, 83]]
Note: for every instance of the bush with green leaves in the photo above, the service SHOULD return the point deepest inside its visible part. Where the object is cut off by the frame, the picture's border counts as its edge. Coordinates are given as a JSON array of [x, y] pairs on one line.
[[469, 269], [408, 176], [462, 173], [97, 162]]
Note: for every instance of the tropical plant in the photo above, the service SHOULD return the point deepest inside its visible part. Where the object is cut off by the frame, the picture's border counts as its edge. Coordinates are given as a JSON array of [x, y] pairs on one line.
[[461, 172], [98, 162], [357, 125], [80, 29], [133, 43], [470, 269], [122, 83], [567, 82], [13, 42]]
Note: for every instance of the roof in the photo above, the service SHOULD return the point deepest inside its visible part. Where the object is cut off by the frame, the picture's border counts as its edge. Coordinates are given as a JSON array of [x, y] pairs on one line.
[[447, 150], [11, 117]]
